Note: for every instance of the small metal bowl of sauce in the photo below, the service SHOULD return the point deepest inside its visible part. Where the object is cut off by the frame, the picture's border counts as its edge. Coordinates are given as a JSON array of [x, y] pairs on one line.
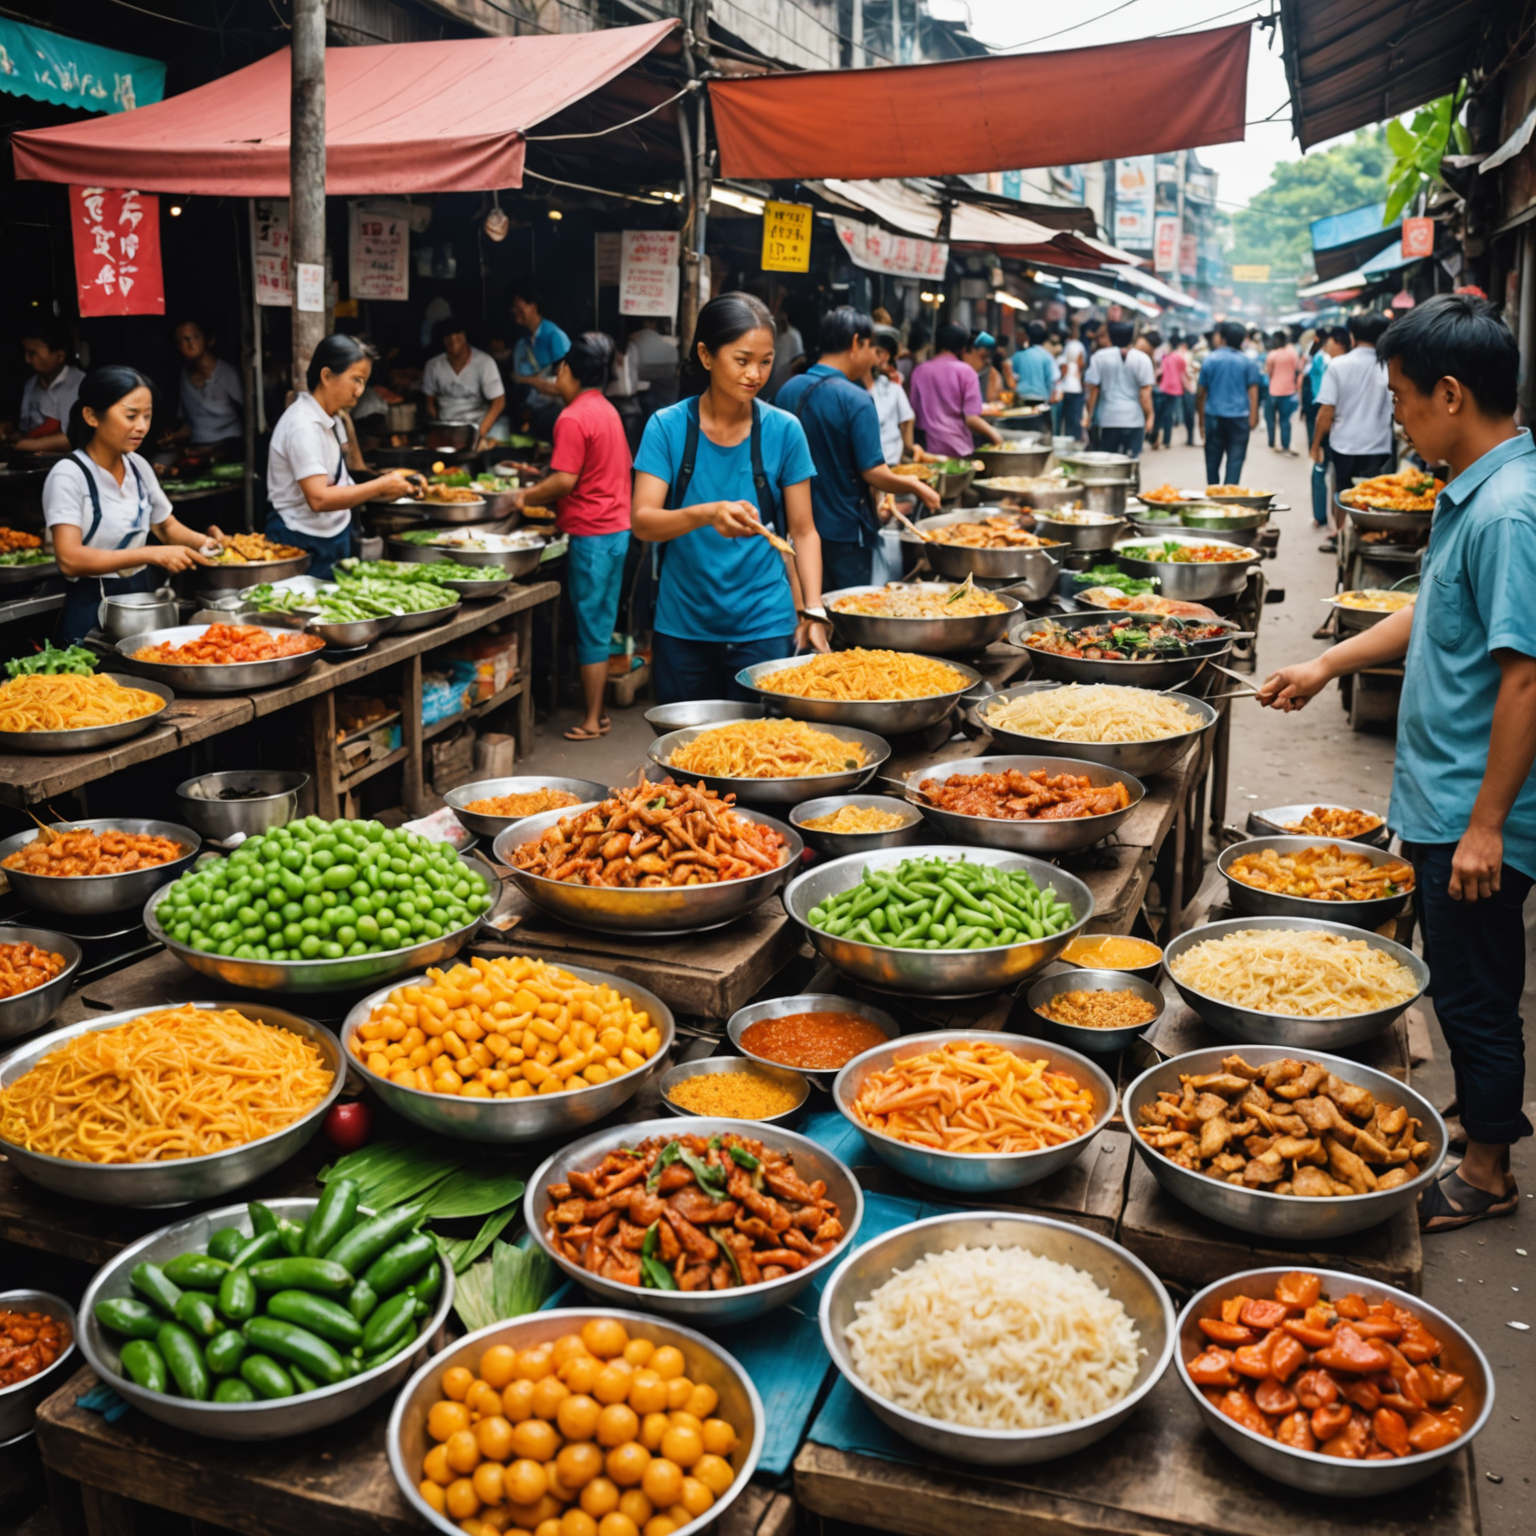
[[817, 1033]]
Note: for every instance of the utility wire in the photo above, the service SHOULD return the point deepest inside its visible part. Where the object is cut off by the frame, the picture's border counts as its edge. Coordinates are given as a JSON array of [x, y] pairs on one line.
[[1076, 25], [597, 133]]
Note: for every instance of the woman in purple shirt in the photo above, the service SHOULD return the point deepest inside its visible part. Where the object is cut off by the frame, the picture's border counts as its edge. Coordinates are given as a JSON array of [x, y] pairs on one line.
[[946, 395]]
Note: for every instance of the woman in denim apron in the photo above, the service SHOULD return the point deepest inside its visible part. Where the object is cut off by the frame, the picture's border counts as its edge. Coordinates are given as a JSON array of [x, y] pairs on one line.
[[102, 503]]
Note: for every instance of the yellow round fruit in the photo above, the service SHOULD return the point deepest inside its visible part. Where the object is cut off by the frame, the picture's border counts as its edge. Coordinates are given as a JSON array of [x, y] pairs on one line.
[[635, 1504], [683, 1444], [548, 1393], [719, 1437], [679, 1390], [581, 1373], [457, 1381], [533, 1363], [525, 1482], [600, 1497], [714, 1472], [617, 1423], [667, 1362], [550, 1527], [494, 1437], [577, 1464], [697, 1496], [612, 1385], [577, 1522], [568, 1347], [433, 1494], [577, 1416], [658, 1525], [488, 1479], [638, 1351], [626, 1464], [663, 1482], [617, 1524], [483, 1399], [463, 1452], [605, 1337], [462, 1500], [446, 1418], [647, 1391], [702, 1401], [496, 1365], [652, 1427], [435, 1466], [680, 1418], [517, 1401], [535, 1439]]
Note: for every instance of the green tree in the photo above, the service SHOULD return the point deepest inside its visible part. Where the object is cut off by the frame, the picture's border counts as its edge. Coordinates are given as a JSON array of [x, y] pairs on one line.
[[1274, 228]]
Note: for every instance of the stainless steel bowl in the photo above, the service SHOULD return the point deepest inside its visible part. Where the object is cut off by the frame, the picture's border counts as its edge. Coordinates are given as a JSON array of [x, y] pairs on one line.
[[274, 1418], [644, 911], [1063, 493], [935, 972], [176, 1180], [927, 637], [484, 825], [705, 1362], [1097, 1042], [230, 578], [514, 1121], [1099, 530], [469, 588], [1085, 465], [1045, 838], [1148, 524], [952, 483], [81, 895], [1351, 620], [1373, 520], [665, 718], [1335, 1477], [1359, 914], [1106, 496], [25, 575], [447, 512], [349, 974], [1109, 1265], [1162, 674], [968, 1173], [1013, 459], [1141, 758], [354, 634], [213, 677], [1287, 1218], [709, 1309], [787, 1078], [520, 561], [267, 798], [1224, 522], [26, 1011], [429, 618], [90, 738], [836, 844], [1251, 1027], [1275, 822], [781, 791], [886, 717], [1036, 567], [18, 1402], [1251, 498], [804, 1002], [1191, 583]]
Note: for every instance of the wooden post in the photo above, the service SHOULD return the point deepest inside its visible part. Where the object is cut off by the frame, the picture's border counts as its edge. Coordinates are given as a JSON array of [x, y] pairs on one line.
[[306, 174], [695, 147]]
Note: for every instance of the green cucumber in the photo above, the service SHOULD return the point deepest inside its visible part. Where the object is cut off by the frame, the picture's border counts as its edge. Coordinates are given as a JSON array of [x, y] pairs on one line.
[[368, 1239], [143, 1364], [195, 1312], [127, 1315], [333, 1218], [224, 1350], [361, 1300], [296, 1345], [258, 1247], [390, 1321], [195, 1271], [400, 1263], [184, 1359], [329, 1319], [263, 1218], [233, 1390], [268, 1378], [237, 1296], [301, 1274], [150, 1280], [226, 1243]]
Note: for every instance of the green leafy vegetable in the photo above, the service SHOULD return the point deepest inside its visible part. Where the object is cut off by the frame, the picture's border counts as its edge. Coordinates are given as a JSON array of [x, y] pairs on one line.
[[668, 1155], [511, 1283], [711, 1178], [75, 661], [745, 1159]]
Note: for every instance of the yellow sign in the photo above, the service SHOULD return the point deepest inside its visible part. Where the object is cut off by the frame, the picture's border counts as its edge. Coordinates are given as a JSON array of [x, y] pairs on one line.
[[787, 237], [1250, 274]]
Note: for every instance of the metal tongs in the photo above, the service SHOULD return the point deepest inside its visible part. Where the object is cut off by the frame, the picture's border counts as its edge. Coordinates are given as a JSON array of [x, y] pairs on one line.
[[1248, 692]]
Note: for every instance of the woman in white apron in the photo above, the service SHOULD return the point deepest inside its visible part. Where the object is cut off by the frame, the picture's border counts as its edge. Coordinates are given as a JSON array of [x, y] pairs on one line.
[[102, 503]]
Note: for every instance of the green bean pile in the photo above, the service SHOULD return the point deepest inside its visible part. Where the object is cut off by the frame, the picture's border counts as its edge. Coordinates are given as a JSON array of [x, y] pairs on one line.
[[941, 903]]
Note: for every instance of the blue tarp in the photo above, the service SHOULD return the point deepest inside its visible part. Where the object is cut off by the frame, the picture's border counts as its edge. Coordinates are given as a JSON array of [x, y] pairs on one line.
[[47, 66], [1345, 228]]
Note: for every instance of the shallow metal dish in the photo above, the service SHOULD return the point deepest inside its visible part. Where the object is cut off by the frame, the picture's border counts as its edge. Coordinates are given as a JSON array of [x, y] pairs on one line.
[[428, 618], [269, 798], [1097, 1042], [1191, 583], [1064, 493], [89, 738], [1120, 1273], [175, 1181], [967, 1173], [886, 717], [1223, 524], [1375, 520], [709, 1309], [349, 974], [1272, 823], [213, 677], [665, 718], [18, 1402], [23, 575], [1359, 914], [644, 911], [1101, 533], [927, 637], [1351, 620], [1038, 566], [475, 590], [1138, 757], [804, 1002], [1161, 673], [1286, 1218], [836, 844], [79, 895], [230, 578], [275, 1418], [705, 1362], [780, 791], [30, 1010], [1255, 499], [522, 561], [935, 972], [355, 634], [1335, 1477], [514, 1121], [1045, 838], [796, 1083], [1084, 465], [476, 511], [484, 825], [1251, 1027]]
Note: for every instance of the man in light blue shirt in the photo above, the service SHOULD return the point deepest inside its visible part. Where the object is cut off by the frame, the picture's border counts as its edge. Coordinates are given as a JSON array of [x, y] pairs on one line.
[[1035, 370], [1227, 405], [1463, 793], [536, 357]]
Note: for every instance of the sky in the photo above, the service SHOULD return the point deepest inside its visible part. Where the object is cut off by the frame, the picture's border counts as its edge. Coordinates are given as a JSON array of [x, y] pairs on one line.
[[1243, 169]]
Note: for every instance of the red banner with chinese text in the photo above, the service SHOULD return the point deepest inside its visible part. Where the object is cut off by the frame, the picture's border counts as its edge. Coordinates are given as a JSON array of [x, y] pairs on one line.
[[117, 251]]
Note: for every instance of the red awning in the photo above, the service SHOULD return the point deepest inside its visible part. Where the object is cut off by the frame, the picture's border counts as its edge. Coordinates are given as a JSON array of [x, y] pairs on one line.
[[1004, 112], [401, 117]]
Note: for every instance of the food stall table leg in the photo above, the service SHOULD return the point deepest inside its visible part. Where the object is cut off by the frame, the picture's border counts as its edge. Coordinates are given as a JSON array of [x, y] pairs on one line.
[[411, 735], [524, 727], [322, 728], [1221, 757]]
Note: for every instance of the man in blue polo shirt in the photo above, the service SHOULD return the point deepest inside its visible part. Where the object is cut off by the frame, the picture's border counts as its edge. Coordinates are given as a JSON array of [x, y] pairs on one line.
[[1463, 794], [842, 427], [1227, 405], [1035, 370]]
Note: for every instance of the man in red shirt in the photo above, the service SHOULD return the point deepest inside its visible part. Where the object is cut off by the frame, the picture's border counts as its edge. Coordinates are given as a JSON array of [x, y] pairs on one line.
[[588, 484]]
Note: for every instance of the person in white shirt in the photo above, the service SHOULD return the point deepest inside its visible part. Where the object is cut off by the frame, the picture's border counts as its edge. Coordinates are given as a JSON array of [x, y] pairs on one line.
[[46, 398], [656, 359], [891, 403], [102, 503], [310, 492], [463, 384], [1074, 359], [1122, 374], [212, 399], [1354, 415]]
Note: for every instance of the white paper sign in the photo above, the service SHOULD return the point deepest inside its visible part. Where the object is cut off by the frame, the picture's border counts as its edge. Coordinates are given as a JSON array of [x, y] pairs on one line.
[[878, 250], [648, 275], [379, 256], [311, 280], [269, 250]]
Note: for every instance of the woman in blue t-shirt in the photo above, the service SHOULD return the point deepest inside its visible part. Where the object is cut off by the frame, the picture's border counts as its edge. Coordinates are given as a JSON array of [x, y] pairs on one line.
[[725, 599]]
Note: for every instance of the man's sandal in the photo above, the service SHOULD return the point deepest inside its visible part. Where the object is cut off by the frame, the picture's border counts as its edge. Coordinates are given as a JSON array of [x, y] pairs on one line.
[[1453, 1203]]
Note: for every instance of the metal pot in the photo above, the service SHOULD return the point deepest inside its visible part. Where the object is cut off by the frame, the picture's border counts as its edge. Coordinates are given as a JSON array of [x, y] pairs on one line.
[[1103, 495], [402, 417], [1082, 465], [136, 613]]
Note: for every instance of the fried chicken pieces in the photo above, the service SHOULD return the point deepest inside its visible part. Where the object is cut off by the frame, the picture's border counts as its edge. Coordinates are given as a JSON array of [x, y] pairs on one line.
[[1289, 1127]]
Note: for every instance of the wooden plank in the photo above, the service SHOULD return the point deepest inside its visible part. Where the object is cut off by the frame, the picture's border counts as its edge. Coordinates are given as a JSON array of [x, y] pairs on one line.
[[1161, 1473]]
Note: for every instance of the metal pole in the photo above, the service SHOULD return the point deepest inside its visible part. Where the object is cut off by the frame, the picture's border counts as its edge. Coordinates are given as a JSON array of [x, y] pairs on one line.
[[695, 150], [306, 176]]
